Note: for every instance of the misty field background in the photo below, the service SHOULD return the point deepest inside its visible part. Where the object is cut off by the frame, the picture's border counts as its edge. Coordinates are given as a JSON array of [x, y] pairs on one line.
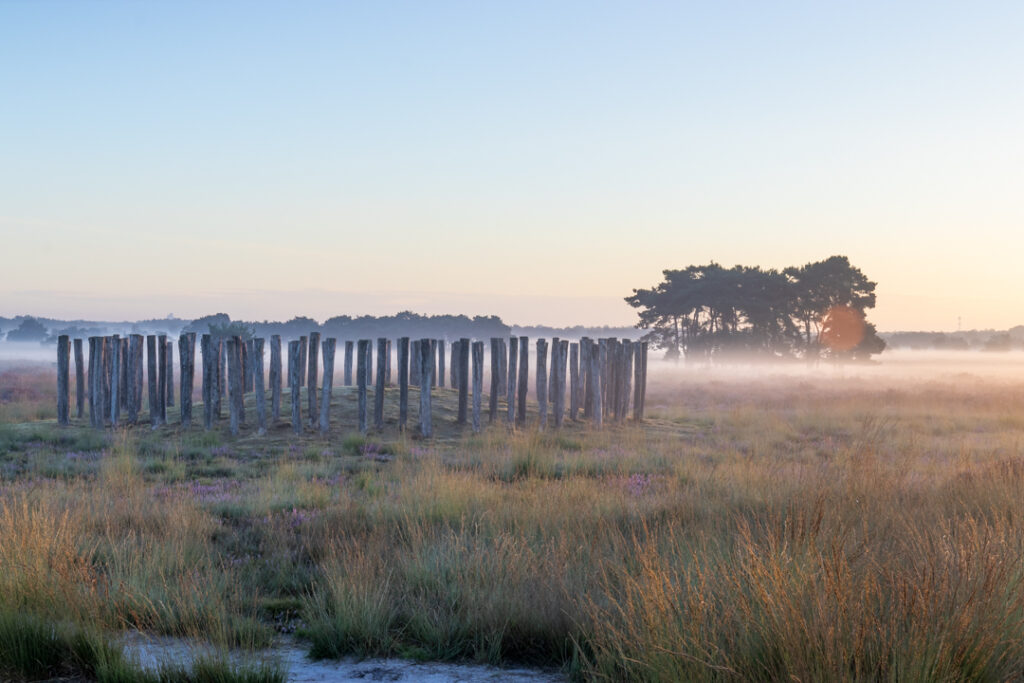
[[763, 524]]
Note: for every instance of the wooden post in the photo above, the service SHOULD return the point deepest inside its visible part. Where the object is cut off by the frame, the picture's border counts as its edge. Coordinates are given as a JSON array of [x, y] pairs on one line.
[[600, 360], [348, 363], [626, 377], [63, 379], [187, 360], [552, 370], [369, 362], [492, 404], [414, 364], [221, 386], [115, 380], [239, 350], [311, 378], [426, 414], [454, 369], [79, 380], [161, 378], [638, 368], [205, 348], [524, 379], [303, 354], [562, 355], [502, 367], [151, 380], [542, 382], [124, 389], [378, 392], [574, 380], [433, 362], [294, 354], [275, 377], [236, 384], [440, 363], [478, 382], [361, 373], [330, 345], [643, 379], [246, 350], [169, 359], [93, 401], [586, 379], [510, 397], [107, 377], [256, 359], [136, 346], [387, 365], [463, 380], [403, 382]]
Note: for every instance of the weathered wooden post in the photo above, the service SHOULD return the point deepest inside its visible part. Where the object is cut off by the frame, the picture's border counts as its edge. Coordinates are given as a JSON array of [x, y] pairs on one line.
[[643, 379], [161, 378], [378, 392], [169, 371], [311, 379], [94, 408], [303, 355], [638, 368], [426, 415], [108, 374], [369, 362], [79, 380], [478, 382], [440, 363], [330, 345], [361, 372], [63, 379], [414, 365], [625, 380], [454, 369], [294, 355], [574, 380], [513, 360], [187, 361], [239, 350], [433, 362], [246, 350], [552, 370], [542, 382], [348, 363], [600, 360], [205, 348], [151, 380], [463, 380], [123, 390], [524, 379], [611, 396], [257, 384], [403, 382], [562, 355], [492, 403], [387, 364], [502, 367], [586, 379], [115, 380], [275, 377], [136, 344], [220, 368], [236, 386]]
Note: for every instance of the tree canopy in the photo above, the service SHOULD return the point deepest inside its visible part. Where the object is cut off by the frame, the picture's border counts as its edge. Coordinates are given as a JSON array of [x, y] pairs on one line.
[[811, 311]]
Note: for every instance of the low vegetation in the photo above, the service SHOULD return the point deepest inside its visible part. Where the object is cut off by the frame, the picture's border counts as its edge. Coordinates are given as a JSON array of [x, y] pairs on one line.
[[818, 528]]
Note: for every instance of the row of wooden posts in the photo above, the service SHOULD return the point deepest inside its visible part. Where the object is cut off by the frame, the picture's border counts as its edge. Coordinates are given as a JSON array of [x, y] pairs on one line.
[[605, 378]]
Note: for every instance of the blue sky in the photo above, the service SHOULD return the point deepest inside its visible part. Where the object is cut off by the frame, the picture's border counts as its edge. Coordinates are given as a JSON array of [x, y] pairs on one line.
[[533, 160]]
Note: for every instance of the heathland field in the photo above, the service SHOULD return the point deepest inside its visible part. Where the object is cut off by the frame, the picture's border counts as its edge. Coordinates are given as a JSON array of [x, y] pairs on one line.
[[770, 524]]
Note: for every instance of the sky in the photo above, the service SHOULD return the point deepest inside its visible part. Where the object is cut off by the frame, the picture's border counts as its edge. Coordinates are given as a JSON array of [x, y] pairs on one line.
[[533, 160]]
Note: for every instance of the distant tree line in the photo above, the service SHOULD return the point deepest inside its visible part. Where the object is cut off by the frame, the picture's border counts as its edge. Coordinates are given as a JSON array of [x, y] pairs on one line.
[[813, 311]]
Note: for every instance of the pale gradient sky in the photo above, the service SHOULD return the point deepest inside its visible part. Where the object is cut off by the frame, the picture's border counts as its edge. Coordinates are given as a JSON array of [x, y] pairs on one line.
[[535, 160]]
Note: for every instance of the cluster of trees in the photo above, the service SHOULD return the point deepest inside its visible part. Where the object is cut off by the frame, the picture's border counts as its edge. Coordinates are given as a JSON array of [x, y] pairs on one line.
[[812, 311]]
